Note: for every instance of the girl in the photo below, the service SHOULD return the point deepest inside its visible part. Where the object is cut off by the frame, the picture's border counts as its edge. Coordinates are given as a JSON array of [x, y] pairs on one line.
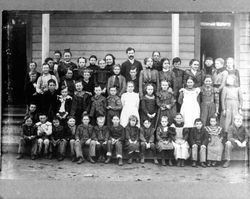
[[209, 101], [132, 134], [65, 64], [231, 101], [110, 61], [168, 75], [195, 73], [42, 82], [117, 80], [215, 145], [166, 102], [78, 72], [92, 64], [180, 143], [232, 70], [148, 106], [101, 76], [64, 101], [70, 130], [190, 108], [164, 141], [30, 90], [130, 105], [69, 82], [148, 75]]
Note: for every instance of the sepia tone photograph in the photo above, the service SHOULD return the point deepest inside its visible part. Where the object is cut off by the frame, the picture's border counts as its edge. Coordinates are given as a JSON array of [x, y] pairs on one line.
[[125, 99]]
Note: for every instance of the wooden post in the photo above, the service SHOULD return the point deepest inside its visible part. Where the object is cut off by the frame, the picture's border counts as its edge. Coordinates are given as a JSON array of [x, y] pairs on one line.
[[1, 15], [45, 35], [175, 35]]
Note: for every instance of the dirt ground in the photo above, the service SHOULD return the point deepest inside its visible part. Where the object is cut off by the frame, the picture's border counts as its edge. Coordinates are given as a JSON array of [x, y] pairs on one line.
[[25, 171]]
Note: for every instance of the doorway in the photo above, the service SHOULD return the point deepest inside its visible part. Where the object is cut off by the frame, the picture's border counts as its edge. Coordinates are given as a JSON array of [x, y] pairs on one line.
[[217, 43], [14, 62]]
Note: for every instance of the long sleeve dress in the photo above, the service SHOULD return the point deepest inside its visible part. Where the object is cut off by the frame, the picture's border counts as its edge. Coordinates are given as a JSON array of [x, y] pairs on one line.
[[130, 106]]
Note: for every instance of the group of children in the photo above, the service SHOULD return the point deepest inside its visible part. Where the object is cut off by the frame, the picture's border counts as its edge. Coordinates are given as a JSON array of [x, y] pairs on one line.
[[98, 109]]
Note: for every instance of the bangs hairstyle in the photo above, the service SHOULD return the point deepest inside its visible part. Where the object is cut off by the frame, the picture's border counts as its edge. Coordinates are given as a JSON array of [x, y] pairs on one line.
[[176, 60], [164, 59], [133, 117], [146, 59]]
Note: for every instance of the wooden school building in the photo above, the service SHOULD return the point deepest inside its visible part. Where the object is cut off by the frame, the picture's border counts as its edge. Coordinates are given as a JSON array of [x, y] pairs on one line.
[[36, 35]]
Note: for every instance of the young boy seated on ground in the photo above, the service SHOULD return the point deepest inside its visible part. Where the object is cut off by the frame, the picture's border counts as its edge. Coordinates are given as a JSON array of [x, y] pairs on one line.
[[102, 135], [147, 138], [32, 113], [28, 138], [44, 131], [58, 139], [198, 142], [116, 138], [84, 136], [237, 137]]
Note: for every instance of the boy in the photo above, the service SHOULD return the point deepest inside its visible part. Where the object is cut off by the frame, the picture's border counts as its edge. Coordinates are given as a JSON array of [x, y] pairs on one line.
[[84, 136], [133, 77], [198, 142], [102, 135], [147, 138], [87, 82], [114, 105], [80, 103], [32, 113], [58, 139], [28, 137], [30, 89], [98, 105], [44, 131], [238, 137], [116, 138], [49, 100]]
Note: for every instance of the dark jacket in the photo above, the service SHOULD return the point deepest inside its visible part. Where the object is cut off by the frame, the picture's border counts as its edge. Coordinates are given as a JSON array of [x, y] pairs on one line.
[[83, 133], [198, 77], [199, 137], [58, 133], [147, 135], [126, 66], [117, 132], [165, 135], [101, 133], [28, 131], [132, 133]]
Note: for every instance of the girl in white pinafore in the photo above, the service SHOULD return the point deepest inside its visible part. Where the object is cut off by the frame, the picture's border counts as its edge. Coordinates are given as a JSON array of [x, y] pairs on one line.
[[130, 105], [190, 108]]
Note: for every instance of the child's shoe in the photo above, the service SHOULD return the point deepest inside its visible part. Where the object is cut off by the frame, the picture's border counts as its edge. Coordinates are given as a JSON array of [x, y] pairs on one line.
[[20, 156], [33, 157], [80, 161], [108, 160], [226, 164], [156, 161], [203, 165], [194, 164], [73, 159], [170, 163], [91, 160], [120, 163], [163, 162], [209, 163]]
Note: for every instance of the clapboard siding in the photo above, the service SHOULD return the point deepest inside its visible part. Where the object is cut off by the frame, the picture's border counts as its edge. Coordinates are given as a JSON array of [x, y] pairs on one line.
[[244, 66], [97, 33]]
